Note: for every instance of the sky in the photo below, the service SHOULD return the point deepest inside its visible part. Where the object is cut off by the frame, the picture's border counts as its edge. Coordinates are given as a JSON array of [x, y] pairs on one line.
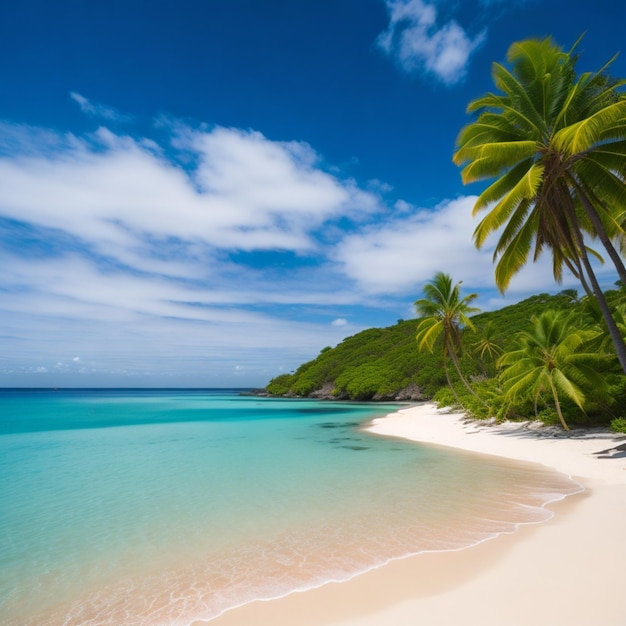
[[206, 193]]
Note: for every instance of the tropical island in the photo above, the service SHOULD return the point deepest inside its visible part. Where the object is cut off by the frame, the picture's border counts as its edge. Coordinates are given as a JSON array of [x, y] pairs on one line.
[[552, 144], [480, 374]]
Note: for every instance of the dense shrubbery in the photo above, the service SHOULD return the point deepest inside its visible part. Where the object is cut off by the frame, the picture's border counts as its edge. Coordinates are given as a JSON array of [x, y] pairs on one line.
[[618, 425]]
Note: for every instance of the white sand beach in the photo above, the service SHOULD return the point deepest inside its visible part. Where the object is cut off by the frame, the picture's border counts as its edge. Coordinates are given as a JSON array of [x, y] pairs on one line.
[[570, 570]]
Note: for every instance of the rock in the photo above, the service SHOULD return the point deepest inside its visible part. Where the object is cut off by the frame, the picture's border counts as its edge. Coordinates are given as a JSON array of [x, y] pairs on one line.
[[412, 393], [325, 392]]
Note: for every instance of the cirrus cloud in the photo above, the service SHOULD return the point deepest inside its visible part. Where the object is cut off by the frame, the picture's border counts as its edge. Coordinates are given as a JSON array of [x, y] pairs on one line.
[[98, 110]]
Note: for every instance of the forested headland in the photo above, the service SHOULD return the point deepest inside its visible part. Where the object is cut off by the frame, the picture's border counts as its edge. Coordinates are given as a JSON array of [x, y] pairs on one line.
[[386, 364]]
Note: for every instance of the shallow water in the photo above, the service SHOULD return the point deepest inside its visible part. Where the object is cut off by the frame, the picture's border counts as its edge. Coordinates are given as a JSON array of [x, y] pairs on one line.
[[161, 507]]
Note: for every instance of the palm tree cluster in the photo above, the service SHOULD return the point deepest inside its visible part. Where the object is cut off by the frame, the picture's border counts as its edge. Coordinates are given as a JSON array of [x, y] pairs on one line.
[[561, 358]]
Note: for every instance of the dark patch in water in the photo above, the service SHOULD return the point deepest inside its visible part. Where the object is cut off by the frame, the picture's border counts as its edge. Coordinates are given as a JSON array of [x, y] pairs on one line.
[[340, 439], [322, 411], [337, 424], [356, 447]]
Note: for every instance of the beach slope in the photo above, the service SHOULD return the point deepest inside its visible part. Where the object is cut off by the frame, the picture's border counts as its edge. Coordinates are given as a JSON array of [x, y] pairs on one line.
[[568, 570]]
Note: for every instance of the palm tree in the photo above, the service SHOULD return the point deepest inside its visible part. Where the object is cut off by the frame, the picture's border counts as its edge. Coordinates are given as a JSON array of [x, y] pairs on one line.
[[444, 313], [487, 346], [556, 144], [550, 360]]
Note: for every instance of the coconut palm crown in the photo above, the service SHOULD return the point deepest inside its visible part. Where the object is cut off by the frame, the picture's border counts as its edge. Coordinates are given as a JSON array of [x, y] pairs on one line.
[[555, 142], [444, 314], [552, 359]]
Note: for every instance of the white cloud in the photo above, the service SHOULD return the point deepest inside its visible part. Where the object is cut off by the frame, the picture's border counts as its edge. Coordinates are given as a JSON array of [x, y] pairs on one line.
[[420, 45], [132, 259], [126, 201], [74, 288], [97, 110], [340, 321], [400, 255], [200, 347]]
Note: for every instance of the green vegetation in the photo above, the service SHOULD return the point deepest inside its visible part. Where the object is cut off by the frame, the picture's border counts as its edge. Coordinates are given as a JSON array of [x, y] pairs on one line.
[[374, 364], [527, 339], [550, 359], [618, 425]]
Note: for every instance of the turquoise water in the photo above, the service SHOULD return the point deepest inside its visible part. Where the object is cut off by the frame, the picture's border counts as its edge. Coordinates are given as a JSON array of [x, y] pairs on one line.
[[161, 507]]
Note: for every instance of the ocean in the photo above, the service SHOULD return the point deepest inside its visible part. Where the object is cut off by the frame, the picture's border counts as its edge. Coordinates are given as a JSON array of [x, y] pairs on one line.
[[161, 507]]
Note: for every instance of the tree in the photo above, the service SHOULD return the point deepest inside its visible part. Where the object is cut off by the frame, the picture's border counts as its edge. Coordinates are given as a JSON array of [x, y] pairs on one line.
[[556, 144], [550, 360], [444, 313], [487, 346]]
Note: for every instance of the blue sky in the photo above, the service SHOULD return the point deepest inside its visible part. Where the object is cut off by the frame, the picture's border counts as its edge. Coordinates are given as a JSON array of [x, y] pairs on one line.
[[207, 193]]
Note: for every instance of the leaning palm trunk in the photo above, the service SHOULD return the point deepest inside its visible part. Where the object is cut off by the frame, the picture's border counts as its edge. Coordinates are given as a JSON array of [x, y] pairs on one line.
[[452, 389], [600, 231], [457, 367], [579, 274], [557, 404], [616, 337]]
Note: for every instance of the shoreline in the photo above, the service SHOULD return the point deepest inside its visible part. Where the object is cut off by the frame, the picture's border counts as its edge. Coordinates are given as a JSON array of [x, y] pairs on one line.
[[563, 570]]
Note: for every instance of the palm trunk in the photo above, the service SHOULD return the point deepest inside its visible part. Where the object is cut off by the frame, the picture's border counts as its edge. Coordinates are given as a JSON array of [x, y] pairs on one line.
[[452, 389], [598, 226], [616, 337], [577, 271], [457, 367], [557, 404]]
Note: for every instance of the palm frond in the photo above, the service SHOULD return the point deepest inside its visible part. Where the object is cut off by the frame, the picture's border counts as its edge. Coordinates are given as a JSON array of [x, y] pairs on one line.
[[521, 195], [428, 331], [584, 134], [567, 386], [518, 93], [514, 257], [502, 185], [611, 155], [488, 101], [494, 159]]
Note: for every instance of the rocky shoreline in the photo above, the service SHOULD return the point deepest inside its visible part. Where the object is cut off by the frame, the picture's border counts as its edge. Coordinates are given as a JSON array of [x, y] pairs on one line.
[[411, 393]]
